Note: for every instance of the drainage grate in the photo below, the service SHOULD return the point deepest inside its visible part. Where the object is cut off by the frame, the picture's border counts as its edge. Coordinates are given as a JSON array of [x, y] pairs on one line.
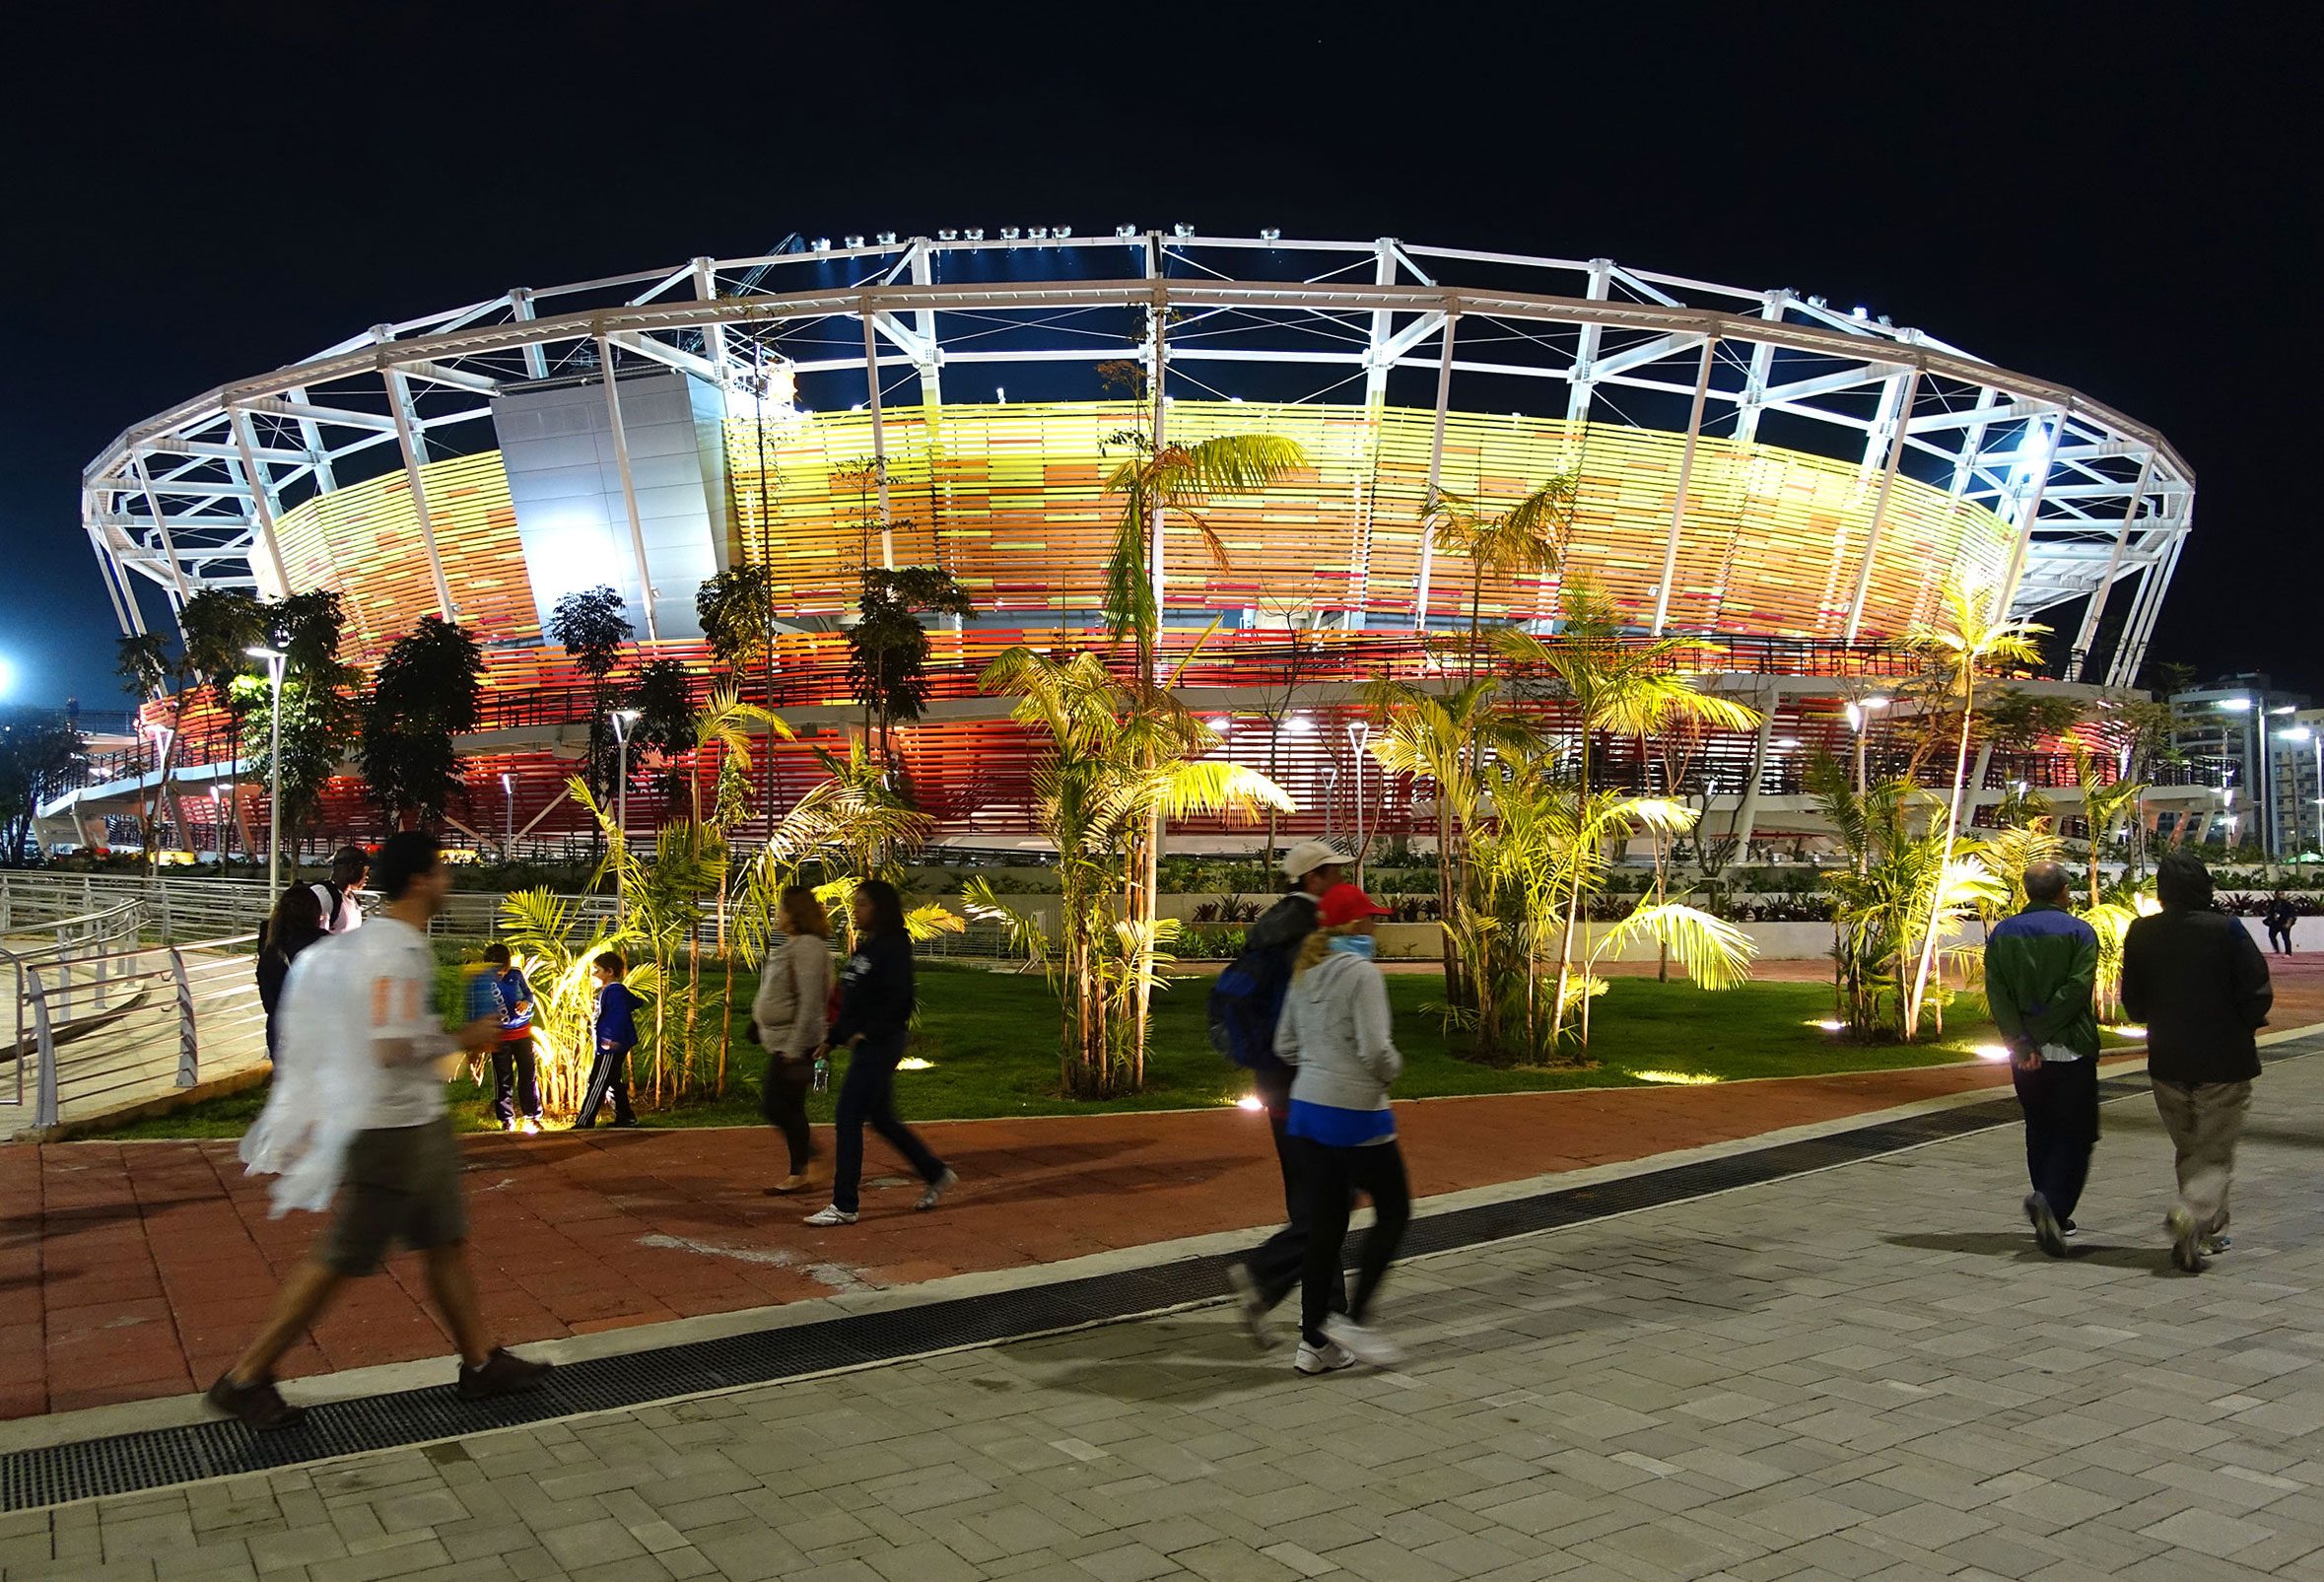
[[158, 1458]]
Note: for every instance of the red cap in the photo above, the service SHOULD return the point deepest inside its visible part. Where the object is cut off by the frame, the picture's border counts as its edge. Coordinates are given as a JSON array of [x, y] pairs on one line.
[[1345, 903]]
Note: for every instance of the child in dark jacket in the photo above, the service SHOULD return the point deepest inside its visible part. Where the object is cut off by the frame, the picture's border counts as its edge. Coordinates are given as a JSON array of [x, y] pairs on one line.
[[616, 1036]]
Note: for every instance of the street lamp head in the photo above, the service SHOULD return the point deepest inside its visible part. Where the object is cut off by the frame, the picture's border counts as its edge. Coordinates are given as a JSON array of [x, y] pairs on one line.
[[1879, 699], [261, 652]]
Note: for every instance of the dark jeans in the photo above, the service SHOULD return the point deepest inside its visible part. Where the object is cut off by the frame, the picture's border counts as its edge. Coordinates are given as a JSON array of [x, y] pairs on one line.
[[783, 1100], [1333, 1177], [1277, 1263], [609, 1077], [2061, 1105], [867, 1093], [2279, 936], [514, 1085]]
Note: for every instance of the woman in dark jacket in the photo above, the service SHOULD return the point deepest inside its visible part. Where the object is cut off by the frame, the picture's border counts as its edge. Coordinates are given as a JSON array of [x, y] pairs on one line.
[[297, 923], [875, 1005]]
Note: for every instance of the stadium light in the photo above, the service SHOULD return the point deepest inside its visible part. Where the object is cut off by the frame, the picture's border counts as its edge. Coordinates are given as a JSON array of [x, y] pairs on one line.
[[1062, 233], [974, 233], [1126, 232], [1012, 233], [887, 239], [821, 244], [856, 240], [1270, 234], [948, 233], [6, 678], [1181, 232]]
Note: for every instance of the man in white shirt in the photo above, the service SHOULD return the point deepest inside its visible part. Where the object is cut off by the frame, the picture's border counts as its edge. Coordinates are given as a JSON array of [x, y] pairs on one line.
[[401, 1178], [342, 902]]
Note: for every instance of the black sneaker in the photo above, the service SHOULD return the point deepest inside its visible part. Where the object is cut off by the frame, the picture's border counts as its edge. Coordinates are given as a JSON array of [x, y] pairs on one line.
[[2048, 1235], [504, 1373], [625, 1123], [259, 1406]]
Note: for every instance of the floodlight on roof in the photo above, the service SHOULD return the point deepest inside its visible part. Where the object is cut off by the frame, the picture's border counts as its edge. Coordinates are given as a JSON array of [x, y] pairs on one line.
[[887, 239], [1126, 232], [856, 240], [948, 233], [1181, 232], [1270, 234]]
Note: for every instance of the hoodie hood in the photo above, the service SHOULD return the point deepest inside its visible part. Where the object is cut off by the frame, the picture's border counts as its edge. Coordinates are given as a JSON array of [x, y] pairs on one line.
[[2183, 882]]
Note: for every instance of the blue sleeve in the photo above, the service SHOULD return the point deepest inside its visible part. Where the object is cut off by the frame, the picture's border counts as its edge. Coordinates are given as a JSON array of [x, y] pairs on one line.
[[518, 988]]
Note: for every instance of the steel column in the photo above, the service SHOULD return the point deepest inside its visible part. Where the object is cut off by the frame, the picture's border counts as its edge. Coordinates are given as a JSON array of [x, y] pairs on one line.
[[629, 488], [2099, 596], [407, 436], [2029, 513], [1577, 396], [261, 498], [879, 445], [144, 481], [1694, 429], [1879, 511], [1436, 468]]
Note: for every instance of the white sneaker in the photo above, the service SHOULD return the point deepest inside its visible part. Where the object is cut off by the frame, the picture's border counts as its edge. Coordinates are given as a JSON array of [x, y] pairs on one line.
[[833, 1215], [1363, 1343], [1251, 1306], [1325, 1359], [936, 1189]]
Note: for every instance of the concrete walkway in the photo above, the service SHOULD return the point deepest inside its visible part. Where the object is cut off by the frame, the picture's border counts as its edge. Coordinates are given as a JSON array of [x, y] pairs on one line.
[[1864, 1372]]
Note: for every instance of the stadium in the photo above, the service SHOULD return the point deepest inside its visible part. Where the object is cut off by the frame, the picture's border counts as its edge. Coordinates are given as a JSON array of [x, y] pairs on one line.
[[1786, 481]]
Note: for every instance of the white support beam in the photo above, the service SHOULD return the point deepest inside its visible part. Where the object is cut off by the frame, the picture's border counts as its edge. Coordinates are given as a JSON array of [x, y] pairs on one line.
[[1694, 429], [2089, 633], [1577, 398], [628, 487], [520, 310], [459, 379], [1616, 363], [262, 502], [343, 416], [407, 439], [1846, 378], [113, 591], [162, 520], [713, 336], [1901, 410], [879, 446], [662, 352], [1376, 362], [1436, 471], [2028, 515], [1762, 363], [929, 361]]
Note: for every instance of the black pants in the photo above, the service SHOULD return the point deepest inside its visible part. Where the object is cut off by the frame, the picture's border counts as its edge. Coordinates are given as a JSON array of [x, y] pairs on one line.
[[1278, 1263], [514, 1084], [783, 1100], [2061, 1104], [609, 1077], [1333, 1177], [867, 1093], [2279, 936]]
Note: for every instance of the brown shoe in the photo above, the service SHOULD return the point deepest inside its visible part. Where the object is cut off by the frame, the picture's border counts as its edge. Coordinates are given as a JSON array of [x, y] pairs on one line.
[[259, 1406], [791, 1184], [504, 1373]]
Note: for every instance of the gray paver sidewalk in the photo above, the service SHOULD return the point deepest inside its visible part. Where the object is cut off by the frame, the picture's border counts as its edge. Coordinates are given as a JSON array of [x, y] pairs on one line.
[[1862, 1373]]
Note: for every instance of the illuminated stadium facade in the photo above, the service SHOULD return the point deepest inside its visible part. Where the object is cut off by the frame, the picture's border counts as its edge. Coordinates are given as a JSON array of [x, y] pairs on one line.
[[1786, 480]]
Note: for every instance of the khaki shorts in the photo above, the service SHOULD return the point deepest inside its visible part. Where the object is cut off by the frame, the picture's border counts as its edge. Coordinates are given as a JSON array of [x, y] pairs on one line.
[[402, 1185]]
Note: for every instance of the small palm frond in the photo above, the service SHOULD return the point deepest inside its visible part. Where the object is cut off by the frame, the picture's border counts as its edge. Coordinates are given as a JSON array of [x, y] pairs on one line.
[[1024, 929], [1716, 953]]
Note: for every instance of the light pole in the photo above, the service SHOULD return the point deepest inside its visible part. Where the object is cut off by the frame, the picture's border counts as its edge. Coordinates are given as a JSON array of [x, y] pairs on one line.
[[508, 826], [274, 658], [1359, 732], [163, 735], [1860, 716], [218, 826], [622, 718]]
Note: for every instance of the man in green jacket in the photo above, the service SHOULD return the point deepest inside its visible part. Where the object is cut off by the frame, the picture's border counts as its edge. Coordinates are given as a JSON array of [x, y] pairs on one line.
[[2040, 969]]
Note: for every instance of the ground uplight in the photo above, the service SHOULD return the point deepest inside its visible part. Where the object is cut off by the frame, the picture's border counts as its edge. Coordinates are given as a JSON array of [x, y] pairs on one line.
[[1993, 1052], [2129, 1032], [1676, 1079], [1830, 1024], [912, 1063], [1248, 1101]]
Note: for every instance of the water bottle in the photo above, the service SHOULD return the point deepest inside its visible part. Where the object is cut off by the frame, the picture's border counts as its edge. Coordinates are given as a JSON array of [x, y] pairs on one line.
[[822, 1073]]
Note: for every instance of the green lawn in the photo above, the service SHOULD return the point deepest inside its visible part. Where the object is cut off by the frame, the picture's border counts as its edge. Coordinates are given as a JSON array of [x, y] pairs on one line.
[[991, 1041]]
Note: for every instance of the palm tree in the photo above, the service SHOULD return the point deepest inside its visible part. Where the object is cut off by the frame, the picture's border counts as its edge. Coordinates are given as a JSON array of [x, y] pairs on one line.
[[1118, 762], [741, 614], [2103, 806], [1974, 634], [1528, 537], [1155, 482], [1626, 688]]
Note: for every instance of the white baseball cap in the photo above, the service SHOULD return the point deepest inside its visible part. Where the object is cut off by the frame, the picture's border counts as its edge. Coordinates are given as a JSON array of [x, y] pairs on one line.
[[1309, 855]]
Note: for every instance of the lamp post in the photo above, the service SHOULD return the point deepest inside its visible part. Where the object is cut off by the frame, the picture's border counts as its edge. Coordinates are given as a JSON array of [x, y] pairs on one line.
[[218, 826], [274, 658], [1859, 716], [163, 735], [1359, 732], [622, 719], [509, 824]]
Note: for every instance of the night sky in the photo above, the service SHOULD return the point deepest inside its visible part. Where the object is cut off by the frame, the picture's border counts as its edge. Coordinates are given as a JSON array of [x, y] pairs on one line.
[[2113, 198]]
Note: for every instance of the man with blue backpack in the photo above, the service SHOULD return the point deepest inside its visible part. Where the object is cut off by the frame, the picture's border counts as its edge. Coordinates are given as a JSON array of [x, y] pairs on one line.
[[1244, 1004]]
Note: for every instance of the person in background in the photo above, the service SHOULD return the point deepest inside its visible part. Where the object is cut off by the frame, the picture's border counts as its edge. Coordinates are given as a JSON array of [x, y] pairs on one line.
[[2041, 969], [342, 902], [516, 1084], [1270, 949], [795, 992], [297, 923], [875, 1010], [2279, 917], [616, 1034], [399, 1180], [2199, 982], [1335, 1032]]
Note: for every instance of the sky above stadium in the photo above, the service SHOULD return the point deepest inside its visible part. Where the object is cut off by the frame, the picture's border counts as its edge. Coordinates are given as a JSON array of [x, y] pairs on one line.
[[2098, 196]]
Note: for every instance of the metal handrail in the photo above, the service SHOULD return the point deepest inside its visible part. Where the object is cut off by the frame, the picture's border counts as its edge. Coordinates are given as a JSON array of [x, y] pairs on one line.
[[211, 997]]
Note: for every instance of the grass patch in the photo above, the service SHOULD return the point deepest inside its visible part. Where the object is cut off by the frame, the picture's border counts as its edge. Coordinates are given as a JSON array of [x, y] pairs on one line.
[[991, 1039]]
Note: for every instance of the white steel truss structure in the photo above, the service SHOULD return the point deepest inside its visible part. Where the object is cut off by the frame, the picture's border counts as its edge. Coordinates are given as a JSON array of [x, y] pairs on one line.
[[2101, 503]]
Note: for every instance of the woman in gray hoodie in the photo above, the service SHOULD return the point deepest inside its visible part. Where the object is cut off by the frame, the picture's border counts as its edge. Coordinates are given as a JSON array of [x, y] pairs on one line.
[[1335, 1033], [795, 992]]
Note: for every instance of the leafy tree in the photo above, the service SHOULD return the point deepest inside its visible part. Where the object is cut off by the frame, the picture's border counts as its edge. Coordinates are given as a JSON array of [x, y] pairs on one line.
[[662, 693], [888, 647], [1528, 536], [321, 716], [151, 673], [40, 759], [1119, 757], [426, 691], [591, 625], [740, 614], [220, 626]]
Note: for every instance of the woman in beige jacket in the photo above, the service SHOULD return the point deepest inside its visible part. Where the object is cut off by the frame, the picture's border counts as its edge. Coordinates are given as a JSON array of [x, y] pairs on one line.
[[795, 992]]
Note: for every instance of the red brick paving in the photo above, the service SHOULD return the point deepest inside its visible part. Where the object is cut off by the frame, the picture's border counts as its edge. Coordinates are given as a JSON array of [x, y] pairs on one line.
[[132, 1271]]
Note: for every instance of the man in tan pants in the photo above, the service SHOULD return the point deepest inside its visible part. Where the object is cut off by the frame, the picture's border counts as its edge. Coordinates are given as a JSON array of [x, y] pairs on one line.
[[2198, 981]]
